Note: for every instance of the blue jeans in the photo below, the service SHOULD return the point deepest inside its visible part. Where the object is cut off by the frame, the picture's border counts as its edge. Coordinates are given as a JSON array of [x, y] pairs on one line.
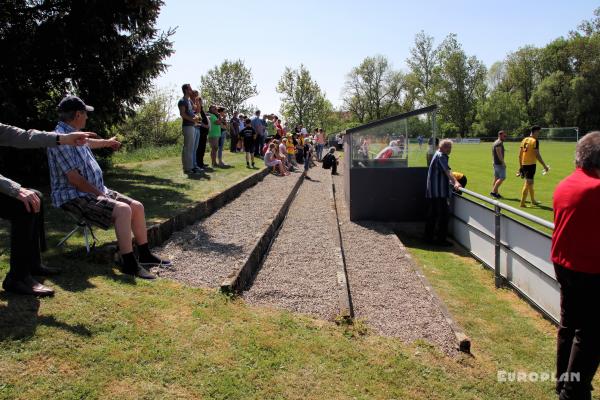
[[258, 145], [320, 151], [196, 142]]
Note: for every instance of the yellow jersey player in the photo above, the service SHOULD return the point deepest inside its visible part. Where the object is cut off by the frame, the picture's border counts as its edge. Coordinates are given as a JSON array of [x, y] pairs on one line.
[[529, 154]]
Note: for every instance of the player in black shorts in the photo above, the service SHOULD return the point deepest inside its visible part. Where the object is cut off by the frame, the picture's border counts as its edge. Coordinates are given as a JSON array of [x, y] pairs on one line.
[[249, 136]]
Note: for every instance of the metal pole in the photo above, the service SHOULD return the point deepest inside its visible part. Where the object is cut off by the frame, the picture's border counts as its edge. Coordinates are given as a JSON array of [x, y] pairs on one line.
[[497, 276]]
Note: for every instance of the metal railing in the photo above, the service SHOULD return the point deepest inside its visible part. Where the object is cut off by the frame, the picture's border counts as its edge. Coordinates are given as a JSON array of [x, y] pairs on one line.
[[521, 254]]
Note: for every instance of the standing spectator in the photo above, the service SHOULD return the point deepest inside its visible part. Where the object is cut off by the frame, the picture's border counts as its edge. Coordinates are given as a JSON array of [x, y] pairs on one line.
[[330, 161], [363, 150], [77, 184], [340, 142], [24, 209], [249, 137], [438, 194], [196, 101], [529, 154], [290, 150], [223, 119], [279, 132], [575, 244], [420, 141], [259, 127], [214, 134], [188, 120], [204, 129], [308, 154], [234, 131], [499, 164], [320, 143]]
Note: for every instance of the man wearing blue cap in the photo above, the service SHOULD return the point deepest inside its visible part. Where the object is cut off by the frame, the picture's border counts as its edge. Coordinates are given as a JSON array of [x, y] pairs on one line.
[[78, 187]]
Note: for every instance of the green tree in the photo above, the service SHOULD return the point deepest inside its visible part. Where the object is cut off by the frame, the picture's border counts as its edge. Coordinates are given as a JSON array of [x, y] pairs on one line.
[[522, 74], [106, 52], [152, 122], [229, 85], [500, 111], [423, 63], [461, 81], [303, 102], [373, 89]]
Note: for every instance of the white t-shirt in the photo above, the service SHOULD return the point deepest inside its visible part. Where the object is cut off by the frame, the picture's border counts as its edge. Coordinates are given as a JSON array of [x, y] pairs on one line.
[[282, 149]]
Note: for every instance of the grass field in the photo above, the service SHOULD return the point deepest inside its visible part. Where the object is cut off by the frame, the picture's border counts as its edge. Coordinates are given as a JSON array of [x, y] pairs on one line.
[[107, 336], [475, 161]]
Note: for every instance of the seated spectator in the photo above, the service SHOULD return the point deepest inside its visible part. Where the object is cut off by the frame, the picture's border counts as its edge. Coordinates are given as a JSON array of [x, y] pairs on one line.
[[78, 187], [24, 209], [272, 161], [391, 151], [331, 161], [460, 178]]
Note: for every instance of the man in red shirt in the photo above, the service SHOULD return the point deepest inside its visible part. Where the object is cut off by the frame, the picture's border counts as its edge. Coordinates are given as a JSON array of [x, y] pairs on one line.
[[575, 244]]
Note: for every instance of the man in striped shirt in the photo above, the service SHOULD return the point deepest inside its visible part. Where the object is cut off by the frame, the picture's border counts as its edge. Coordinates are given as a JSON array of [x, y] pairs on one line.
[[439, 178], [78, 187]]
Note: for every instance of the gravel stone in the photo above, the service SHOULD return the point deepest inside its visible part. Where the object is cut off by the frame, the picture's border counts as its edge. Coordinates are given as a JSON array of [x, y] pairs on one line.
[[299, 271], [205, 253], [386, 291]]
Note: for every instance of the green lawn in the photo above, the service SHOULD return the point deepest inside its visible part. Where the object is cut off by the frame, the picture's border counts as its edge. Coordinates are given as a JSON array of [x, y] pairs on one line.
[[107, 336], [154, 176], [475, 161]]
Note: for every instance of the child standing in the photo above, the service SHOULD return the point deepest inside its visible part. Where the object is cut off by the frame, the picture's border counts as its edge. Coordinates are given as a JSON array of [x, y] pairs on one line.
[[249, 136]]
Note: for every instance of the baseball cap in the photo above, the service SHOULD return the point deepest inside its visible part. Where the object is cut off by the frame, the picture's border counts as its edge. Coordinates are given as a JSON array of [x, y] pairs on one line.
[[73, 103]]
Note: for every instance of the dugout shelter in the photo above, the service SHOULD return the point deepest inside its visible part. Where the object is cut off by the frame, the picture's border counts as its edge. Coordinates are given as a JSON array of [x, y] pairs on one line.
[[385, 172]]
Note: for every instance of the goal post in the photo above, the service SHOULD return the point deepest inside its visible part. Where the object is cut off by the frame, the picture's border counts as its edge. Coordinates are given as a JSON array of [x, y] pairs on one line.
[[563, 133]]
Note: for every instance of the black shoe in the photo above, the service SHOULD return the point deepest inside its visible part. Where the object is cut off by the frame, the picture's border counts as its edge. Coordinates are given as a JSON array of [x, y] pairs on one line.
[[140, 272], [27, 286], [494, 195], [43, 270], [152, 260]]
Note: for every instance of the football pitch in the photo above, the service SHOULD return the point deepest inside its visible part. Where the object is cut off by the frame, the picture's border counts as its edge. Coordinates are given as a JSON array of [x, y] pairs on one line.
[[475, 161]]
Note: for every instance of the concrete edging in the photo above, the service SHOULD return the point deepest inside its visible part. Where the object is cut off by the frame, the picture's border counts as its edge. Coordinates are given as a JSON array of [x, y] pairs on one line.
[[343, 286], [238, 280], [463, 342], [161, 232]]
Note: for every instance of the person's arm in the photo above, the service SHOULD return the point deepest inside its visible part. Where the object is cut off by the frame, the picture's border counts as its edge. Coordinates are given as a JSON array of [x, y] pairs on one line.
[[20, 138], [81, 184], [183, 113], [113, 143], [520, 157], [539, 158]]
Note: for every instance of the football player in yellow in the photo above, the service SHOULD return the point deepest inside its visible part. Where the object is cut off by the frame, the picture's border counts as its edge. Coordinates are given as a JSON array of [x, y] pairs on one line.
[[529, 154]]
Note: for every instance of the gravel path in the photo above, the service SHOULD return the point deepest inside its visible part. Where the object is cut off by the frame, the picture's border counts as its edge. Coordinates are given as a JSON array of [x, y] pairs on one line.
[[205, 253], [299, 272], [386, 291]]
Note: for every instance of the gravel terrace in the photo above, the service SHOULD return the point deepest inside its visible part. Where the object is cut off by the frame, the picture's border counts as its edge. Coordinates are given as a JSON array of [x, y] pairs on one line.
[[386, 291], [299, 272], [205, 253]]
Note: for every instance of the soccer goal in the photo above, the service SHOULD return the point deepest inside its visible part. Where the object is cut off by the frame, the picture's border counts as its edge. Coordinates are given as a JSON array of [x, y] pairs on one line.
[[562, 134]]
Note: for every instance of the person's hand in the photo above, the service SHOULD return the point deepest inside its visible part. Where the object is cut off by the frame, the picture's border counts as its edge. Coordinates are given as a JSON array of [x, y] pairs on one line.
[[457, 186], [30, 199], [74, 139], [113, 143]]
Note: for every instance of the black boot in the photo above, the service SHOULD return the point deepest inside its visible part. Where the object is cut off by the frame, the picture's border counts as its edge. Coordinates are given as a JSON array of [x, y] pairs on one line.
[[132, 267]]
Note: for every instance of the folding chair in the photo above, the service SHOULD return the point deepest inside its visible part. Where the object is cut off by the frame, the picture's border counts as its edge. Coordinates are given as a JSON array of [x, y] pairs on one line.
[[86, 227]]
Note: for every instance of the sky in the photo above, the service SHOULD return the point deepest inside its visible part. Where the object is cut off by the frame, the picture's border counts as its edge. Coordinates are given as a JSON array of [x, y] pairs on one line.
[[332, 37]]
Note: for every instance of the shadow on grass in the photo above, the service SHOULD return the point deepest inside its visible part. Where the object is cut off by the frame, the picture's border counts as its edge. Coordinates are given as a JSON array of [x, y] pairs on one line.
[[19, 318]]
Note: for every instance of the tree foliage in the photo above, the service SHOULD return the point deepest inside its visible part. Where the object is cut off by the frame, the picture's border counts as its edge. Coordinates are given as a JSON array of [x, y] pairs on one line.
[[423, 65], [461, 79], [107, 52], [303, 102], [230, 85], [372, 90]]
